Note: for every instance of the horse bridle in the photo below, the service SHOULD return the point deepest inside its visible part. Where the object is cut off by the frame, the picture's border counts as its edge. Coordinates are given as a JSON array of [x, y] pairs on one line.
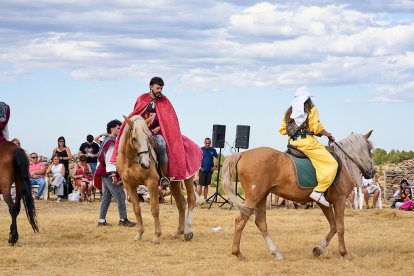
[[139, 153], [352, 159]]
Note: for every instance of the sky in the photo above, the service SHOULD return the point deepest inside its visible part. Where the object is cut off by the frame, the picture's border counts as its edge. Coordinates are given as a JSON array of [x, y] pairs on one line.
[[68, 67]]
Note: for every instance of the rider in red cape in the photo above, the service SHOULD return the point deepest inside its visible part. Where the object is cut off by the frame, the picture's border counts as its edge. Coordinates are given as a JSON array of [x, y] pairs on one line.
[[184, 156]]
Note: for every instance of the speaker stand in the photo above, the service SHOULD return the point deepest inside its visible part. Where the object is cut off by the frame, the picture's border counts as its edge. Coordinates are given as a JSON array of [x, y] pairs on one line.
[[214, 197]]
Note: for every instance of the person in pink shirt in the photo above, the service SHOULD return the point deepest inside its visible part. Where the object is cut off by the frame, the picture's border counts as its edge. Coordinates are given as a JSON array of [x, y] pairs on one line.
[[37, 172]]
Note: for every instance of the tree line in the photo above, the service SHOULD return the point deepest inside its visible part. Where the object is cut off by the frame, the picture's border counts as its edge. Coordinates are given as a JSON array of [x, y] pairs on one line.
[[381, 156]]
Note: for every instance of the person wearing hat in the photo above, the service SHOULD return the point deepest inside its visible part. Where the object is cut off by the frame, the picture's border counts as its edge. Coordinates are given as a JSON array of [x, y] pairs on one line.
[[301, 123]]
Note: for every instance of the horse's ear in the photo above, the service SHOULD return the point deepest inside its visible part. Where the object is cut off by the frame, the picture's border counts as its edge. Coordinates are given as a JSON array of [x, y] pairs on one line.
[[129, 122], [368, 134]]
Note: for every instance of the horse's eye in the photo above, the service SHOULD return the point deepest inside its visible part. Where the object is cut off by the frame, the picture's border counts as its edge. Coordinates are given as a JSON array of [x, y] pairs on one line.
[[134, 139]]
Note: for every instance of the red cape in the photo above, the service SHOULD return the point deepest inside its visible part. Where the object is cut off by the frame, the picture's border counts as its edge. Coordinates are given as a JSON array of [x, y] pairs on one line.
[[184, 156]]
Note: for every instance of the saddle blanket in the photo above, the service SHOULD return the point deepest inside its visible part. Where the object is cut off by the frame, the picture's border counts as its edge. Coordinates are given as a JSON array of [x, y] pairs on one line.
[[305, 172]]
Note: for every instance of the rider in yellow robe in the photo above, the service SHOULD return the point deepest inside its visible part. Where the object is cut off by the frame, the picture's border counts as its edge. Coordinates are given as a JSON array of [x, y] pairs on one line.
[[301, 123]]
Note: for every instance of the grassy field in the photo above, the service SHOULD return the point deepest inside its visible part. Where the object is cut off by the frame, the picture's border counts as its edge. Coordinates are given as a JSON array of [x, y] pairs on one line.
[[379, 242]]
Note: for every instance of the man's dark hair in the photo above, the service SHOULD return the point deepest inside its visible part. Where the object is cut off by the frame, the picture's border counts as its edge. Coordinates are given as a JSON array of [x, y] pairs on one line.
[[112, 124], [89, 138], [157, 80]]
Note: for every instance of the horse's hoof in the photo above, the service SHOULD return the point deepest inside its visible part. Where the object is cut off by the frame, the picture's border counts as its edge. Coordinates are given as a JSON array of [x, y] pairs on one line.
[[176, 236], [12, 240], [317, 251], [188, 236], [138, 237], [240, 257], [278, 256], [156, 240], [12, 243]]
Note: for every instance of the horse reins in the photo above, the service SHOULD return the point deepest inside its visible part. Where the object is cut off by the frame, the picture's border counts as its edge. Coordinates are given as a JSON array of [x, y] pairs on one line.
[[139, 152]]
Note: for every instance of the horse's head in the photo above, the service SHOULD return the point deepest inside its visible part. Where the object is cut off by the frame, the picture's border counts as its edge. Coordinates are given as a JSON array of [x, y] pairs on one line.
[[358, 148], [370, 171], [140, 140]]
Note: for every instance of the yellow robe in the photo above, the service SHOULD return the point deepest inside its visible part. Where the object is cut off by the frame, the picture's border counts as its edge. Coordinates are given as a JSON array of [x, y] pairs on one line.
[[325, 165]]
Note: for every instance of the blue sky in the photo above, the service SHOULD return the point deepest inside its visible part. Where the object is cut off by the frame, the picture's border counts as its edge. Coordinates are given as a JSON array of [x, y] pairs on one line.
[[68, 67]]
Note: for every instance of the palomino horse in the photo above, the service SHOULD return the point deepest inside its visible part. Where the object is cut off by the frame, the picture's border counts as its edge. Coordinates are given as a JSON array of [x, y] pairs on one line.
[[14, 167], [136, 163], [264, 170]]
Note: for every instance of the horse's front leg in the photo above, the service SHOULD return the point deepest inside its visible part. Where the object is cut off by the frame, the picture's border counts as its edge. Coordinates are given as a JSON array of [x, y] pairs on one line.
[[339, 207], [155, 209], [191, 198], [133, 195], [180, 203]]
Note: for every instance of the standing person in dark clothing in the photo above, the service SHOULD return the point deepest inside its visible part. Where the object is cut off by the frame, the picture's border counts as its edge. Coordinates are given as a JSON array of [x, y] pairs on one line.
[[90, 149], [64, 154], [207, 167]]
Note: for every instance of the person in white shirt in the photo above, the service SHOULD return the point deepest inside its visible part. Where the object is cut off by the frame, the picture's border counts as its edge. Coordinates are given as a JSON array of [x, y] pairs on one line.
[[369, 187]]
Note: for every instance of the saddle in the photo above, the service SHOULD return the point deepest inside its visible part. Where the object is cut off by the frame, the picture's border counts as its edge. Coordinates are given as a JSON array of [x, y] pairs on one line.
[[305, 172]]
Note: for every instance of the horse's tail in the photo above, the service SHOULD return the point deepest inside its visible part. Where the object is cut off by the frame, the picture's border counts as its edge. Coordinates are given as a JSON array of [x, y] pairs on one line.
[[227, 180], [22, 171]]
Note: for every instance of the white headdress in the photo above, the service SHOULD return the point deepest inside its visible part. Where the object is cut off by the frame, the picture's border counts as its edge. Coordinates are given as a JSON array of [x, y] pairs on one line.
[[298, 112]]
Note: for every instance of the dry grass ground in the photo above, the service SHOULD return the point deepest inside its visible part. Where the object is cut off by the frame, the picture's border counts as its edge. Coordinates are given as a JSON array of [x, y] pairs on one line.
[[379, 242]]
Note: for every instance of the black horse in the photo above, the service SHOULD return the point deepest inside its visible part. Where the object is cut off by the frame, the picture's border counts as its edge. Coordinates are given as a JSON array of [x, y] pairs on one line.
[[14, 167]]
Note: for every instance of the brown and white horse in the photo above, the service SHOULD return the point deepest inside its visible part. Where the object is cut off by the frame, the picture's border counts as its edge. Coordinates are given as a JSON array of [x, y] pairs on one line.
[[136, 163], [14, 167], [265, 170]]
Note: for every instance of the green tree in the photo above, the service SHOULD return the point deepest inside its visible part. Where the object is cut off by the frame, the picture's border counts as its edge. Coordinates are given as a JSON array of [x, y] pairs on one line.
[[379, 156]]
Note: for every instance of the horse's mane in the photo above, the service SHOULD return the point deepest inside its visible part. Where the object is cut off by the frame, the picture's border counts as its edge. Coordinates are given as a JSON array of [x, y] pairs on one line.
[[359, 148]]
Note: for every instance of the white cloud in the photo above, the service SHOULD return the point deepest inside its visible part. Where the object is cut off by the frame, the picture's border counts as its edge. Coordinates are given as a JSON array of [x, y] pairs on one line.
[[252, 43]]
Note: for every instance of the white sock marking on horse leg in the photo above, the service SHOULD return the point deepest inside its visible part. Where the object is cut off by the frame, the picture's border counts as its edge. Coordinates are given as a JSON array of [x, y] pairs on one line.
[[323, 244], [188, 221], [273, 248]]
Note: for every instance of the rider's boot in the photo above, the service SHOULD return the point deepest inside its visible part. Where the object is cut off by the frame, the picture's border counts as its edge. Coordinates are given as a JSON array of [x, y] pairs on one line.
[[164, 181]]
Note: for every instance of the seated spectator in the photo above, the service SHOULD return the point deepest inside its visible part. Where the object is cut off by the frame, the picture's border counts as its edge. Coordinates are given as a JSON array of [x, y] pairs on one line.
[[369, 187], [90, 149], [143, 194], [58, 171], [407, 203], [81, 174], [397, 195], [37, 174]]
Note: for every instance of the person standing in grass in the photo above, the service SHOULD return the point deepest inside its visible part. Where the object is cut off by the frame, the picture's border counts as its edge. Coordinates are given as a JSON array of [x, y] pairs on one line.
[[111, 185], [207, 167]]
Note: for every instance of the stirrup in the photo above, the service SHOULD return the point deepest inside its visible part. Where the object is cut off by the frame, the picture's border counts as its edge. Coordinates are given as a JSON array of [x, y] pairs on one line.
[[164, 182]]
